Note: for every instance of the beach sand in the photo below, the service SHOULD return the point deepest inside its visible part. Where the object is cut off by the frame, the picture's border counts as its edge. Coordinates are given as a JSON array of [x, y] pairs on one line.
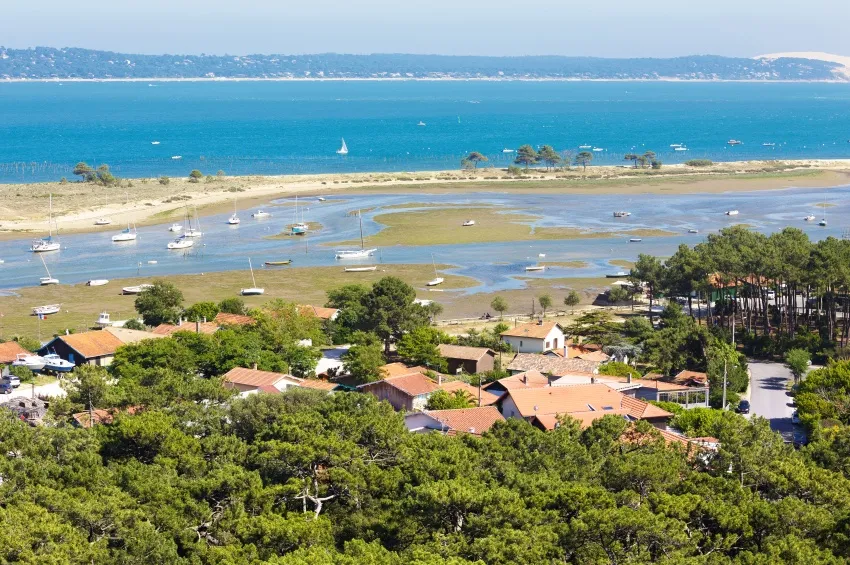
[[76, 205]]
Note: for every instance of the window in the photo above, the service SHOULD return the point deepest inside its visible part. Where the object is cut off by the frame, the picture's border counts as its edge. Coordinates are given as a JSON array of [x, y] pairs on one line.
[[547, 345], [520, 343], [555, 343], [607, 407]]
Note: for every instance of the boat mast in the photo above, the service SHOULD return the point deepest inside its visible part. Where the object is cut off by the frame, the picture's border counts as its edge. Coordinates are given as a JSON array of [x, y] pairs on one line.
[[45, 266], [360, 215], [250, 266]]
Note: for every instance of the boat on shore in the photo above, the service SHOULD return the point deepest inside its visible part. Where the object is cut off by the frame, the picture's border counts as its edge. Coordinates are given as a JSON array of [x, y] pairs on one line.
[[468, 223], [49, 279], [277, 263], [622, 214], [46, 310], [533, 268], [254, 290], [135, 289], [30, 361], [52, 362], [361, 269], [635, 240], [437, 278], [619, 275], [97, 282], [103, 320]]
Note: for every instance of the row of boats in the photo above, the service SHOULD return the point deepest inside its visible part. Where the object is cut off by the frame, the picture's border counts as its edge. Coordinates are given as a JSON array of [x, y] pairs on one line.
[[36, 363]]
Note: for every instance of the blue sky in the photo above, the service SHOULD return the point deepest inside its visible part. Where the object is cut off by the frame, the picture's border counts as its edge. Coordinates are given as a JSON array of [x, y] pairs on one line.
[[611, 28]]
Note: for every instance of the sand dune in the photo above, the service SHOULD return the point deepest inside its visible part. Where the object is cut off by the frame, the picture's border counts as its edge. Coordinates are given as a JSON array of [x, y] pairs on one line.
[[817, 56]]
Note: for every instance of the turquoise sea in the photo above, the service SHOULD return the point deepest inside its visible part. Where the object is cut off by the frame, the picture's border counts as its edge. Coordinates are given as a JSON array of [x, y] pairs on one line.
[[296, 127]]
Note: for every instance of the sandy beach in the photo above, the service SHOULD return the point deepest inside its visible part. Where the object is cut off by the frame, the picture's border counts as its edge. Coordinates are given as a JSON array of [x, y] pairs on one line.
[[77, 205]]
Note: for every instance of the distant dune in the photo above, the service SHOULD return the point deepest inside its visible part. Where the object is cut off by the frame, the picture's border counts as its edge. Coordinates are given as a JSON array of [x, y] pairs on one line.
[[828, 57]]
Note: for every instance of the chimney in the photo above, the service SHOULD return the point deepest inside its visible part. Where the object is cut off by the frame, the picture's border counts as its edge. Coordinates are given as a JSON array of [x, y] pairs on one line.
[[566, 351], [198, 327], [254, 366], [525, 378], [593, 380], [205, 319], [629, 378], [472, 430]]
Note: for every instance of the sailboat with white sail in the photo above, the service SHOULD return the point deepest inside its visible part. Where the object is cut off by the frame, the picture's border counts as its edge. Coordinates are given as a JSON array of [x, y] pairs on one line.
[[254, 290], [48, 243], [342, 150], [234, 219], [437, 279], [49, 279], [299, 227], [196, 231], [361, 253]]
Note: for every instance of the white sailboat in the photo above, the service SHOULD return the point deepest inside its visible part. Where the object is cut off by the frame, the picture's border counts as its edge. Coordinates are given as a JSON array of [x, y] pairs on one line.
[[181, 242], [48, 243], [103, 220], [361, 253], [44, 281], [196, 231], [361, 269], [342, 150], [254, 290], [822, 223], [234, 219], [299, 227], [438, 279], [125, 235]]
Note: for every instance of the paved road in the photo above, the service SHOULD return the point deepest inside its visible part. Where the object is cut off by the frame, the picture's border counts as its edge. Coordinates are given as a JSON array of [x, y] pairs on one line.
[[769, 397]]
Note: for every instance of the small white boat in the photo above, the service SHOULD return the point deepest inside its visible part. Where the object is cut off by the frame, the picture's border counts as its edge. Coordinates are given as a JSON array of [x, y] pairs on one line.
[[635, 240], [49, 279], [181, 242], [436, 281], [541, 255], [343, 150], [177, 157], [97, 282], [152, 262], [768, 144], [809, 218], [233, 220], [619, 275], [135, 289], [680, 149], [535, 268], [506, 150], [175, 228], [360, 269], [734, 142], [822, 223], [103, 320], [46, 310], [731, 212], [622, 214], [355, 253], [102, 222], [692, 230], [254, 290], [320, 199], [421, 124], [52, 362], [675, 145], [585, 146], [125, 235], [598, 149], [260, 214], [469, 223], [154, 143], [31, 362]]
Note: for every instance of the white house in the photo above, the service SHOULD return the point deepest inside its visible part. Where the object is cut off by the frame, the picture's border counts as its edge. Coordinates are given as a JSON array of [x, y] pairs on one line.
[[535, 337]]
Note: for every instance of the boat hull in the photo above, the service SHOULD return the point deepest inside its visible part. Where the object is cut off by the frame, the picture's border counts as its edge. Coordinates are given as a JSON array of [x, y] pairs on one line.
[[97, 282], [360, 269], [252, 291]]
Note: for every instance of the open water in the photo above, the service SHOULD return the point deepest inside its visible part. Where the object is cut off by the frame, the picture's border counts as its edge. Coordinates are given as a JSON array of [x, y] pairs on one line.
[[296, 127]]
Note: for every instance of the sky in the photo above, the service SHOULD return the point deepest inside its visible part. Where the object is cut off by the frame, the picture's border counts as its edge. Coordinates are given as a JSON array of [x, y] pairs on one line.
[[610, 28]]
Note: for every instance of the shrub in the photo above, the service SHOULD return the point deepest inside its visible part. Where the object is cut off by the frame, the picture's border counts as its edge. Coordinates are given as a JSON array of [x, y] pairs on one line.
[[617, 369], [164, 180], [515, 171], [699, 163], [133, 324], [656, 164]]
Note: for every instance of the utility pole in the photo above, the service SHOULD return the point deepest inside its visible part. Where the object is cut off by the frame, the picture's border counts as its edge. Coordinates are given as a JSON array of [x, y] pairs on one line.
[[724, 384]]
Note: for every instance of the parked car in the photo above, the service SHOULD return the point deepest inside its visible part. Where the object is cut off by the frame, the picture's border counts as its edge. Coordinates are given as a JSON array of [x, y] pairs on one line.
[[6, 388], [12, 380], [795, 418], [743, 407]]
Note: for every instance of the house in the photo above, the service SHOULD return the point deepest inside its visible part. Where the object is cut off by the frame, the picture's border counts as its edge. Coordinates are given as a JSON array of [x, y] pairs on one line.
[[588, 352], [207, 328], [96, 347], [9, 351], [487, 398], [318, 311], [552, 365], [225, 319], [99, 416], [690, 378], [528, 379], [400, 369], [586, 403], [463, 420], [29, 410], [252, 381], [534, 337], [688, 394], [470, 360], [406, 392]]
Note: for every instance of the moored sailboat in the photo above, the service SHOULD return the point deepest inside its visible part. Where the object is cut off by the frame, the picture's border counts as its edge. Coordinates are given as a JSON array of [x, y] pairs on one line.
[[254, 290]]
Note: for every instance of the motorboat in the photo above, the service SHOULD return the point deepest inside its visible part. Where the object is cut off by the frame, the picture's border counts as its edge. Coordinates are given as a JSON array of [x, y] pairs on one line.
[[175, 228], [46, 310], [622, 214], [469, 223], [675, 145], [103, 320], [29, 360], [254, 290], [598, 149], [135, 289], [734, 142], [102, 222], [343, 150], [506, 150], [152, 262], [125, 235], [619, 275], [534, 268], [181, 242], [177, 157], [692, 230], [360, 269], [260, 214], [768, 144], [52, 362], [541, 255], [278, 263], [635, 240], [680, 149], [355, 253], [97, 282], [731, 212]]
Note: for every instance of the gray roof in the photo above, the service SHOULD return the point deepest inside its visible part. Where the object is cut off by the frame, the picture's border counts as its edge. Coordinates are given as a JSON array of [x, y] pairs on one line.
[[551, 365]]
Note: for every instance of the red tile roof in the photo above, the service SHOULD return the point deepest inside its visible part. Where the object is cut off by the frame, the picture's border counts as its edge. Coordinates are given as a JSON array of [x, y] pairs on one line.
[[528, 379], [690, 378], [9, 351], [255, 378], [581, 399], [318, 311], [225, 319], [413, 385], [318, 384], [463, 352], [168, 329], [468, 420], [92, 344], [550, 364], [487, 398], [531, 330], [399, 369]]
